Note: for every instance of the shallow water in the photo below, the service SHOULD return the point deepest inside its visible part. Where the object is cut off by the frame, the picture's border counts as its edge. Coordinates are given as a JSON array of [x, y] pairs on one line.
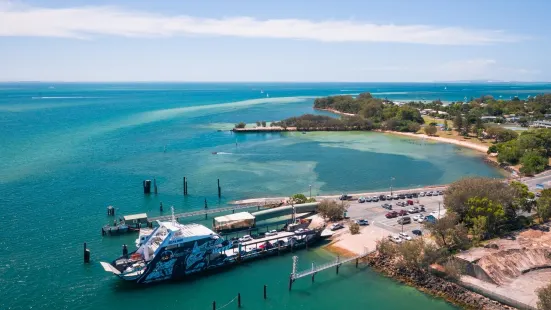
[[68, 152]]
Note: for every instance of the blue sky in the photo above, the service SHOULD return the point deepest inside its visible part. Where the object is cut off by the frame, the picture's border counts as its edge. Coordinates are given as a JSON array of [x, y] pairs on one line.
[[281, 40]]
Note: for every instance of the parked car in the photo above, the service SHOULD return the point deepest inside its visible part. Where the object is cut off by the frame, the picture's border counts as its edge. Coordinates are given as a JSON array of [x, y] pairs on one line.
[[362, 222], [413, 210], [405, 236], [422, 194], [403, 212], [382, 197], [421, 219], [361, 199], [375, 199], [415, 195], [422, 208], [336, 226], [395, 239], [266, 246], [417, 217], [271, 233], [392, 214], [409, 196], [440, 193], [395, 197], [387, 206], [388, 197], [428, 194], [417, 232], [245, 238], [345, 197], [402, 196], [410, 202], [400, 203], [368, 199], [404, 220]]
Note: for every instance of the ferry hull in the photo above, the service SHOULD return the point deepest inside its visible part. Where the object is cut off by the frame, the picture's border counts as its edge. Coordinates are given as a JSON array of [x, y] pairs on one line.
[[180, 262]]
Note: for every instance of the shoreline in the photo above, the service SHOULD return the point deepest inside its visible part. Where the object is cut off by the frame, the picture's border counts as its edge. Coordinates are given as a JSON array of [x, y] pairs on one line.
[[466, 144]]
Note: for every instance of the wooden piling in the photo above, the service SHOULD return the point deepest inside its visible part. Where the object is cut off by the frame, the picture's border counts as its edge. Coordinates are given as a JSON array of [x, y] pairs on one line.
[[338, 269], [155, 186], [214, 305], [357, 259], [219, 189], [86, 254], [265, 291], [238, 300], [290, 281]]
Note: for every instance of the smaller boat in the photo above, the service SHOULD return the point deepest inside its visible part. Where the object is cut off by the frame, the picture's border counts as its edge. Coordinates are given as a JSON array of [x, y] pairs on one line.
[[214, 153], [115, 229]]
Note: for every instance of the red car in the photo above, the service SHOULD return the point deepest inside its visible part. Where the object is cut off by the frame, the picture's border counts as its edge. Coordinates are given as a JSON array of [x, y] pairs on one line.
[[392, 214], [403, 212]]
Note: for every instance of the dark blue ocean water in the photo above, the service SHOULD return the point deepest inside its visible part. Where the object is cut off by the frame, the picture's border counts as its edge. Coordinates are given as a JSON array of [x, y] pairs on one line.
[[68, 150]]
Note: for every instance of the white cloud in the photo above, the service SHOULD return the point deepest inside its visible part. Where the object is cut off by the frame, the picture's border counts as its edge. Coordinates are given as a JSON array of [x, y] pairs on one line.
[[89, 21]]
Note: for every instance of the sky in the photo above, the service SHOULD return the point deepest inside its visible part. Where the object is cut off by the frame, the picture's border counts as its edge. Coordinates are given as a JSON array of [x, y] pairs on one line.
[[284, 40]]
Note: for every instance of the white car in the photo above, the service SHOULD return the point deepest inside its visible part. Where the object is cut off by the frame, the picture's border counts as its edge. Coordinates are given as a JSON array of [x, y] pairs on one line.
[[336, 226], [245, 238], [416, 217], [395, 239], [405, 236], [421, 219], [422, 194], [271, 233]]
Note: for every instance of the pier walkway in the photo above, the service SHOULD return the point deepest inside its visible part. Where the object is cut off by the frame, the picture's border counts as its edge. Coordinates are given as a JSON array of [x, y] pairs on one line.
[[199, 212], [295, 275]]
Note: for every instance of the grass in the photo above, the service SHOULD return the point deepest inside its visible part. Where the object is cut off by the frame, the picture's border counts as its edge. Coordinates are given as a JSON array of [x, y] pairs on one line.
[[454, 135]]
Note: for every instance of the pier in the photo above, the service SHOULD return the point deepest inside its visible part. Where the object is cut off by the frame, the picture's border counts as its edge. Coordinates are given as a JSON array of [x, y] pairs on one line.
[[198, 212], [295, 275]]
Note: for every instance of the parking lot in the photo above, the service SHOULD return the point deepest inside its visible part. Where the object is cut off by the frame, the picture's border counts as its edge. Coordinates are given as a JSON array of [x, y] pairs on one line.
[[375, 213]]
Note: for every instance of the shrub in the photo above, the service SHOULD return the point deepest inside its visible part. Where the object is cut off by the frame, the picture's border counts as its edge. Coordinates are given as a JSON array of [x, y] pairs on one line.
[[331, 210], [240, 125], [354, 228]]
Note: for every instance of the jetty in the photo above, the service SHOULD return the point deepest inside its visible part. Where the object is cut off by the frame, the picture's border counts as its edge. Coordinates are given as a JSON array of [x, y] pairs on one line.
[[264, 129], [295, 275], [198, 213]]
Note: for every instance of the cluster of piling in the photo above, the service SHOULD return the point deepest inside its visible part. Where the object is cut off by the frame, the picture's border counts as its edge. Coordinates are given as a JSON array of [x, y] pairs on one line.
[[238, 297]]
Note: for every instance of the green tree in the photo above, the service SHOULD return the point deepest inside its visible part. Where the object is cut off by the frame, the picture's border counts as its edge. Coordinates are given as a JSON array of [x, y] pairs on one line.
[[331, 210], [298, 198], [263, 123], [509, 152], [544, 297], [430, 130], [458, 123], [523, 121], [532, 163], [492, 149], [459, 192], [543, 207], [484, 207], [524, 198], [479, 229], [258, 123], [448, 232], [240, 125]]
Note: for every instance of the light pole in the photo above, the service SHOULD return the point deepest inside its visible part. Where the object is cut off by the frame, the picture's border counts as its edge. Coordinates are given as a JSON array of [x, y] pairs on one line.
[[438, 210], [391, 179], [310, 190]]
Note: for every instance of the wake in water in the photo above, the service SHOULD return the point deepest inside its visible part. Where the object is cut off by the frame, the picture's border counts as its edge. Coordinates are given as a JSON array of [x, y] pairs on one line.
[[67, 97]]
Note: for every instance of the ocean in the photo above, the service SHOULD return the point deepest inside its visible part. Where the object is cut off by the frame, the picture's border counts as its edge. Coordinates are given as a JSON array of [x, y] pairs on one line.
[[69, 150]]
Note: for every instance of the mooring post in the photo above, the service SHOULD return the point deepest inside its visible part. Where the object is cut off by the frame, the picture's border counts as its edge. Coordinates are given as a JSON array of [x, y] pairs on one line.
[[290, 281], [357, 259], [265, 291], [219, 189], [155, 185], [313, 277], [184, 185], [214, 305], [338, 269], [206, 207], [161, 207], [238, 300], [86, 254]]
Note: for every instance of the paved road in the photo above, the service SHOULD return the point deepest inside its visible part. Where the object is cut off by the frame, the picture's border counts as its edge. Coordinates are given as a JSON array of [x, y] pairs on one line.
[[542, 178]]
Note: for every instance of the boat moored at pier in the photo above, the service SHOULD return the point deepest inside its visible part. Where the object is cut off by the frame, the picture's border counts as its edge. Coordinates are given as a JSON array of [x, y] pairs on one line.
[[174, 250]]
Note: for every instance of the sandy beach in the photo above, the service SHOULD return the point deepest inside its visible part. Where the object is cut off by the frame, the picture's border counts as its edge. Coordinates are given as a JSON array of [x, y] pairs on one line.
[[466, 144]]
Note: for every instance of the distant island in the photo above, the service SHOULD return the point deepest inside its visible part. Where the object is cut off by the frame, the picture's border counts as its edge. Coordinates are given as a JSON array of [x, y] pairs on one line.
[[476, 123]]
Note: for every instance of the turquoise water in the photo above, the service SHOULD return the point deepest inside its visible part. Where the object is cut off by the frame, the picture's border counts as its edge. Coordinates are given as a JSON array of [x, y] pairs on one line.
[[69, 150]]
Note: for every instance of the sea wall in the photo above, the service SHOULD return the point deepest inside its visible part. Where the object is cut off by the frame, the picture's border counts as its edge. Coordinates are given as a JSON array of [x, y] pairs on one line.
[[434, 285]]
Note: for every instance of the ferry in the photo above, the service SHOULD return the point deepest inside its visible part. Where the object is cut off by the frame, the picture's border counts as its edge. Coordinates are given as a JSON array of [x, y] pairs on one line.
[[174, 250]]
